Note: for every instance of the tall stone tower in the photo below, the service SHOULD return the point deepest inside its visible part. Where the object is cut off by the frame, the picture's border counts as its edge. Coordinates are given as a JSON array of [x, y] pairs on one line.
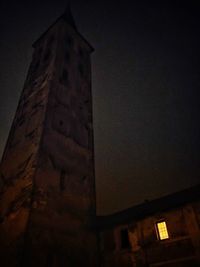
[[47, 184]]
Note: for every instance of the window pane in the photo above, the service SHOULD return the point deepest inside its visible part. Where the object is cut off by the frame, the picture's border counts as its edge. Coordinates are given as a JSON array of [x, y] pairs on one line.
[[162, 230]]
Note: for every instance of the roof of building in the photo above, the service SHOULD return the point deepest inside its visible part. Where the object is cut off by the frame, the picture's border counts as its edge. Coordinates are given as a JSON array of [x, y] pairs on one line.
[[69, 19], [148, 208]]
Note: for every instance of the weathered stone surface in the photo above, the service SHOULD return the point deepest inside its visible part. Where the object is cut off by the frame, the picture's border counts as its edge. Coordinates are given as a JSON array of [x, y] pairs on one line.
[[47, 173]]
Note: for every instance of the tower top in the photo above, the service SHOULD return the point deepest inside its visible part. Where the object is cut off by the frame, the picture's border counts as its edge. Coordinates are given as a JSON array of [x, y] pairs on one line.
[[68, 16]]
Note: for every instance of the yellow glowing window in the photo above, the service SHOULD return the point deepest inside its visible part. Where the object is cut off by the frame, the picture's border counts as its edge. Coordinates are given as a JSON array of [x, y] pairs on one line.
[[162, 230]]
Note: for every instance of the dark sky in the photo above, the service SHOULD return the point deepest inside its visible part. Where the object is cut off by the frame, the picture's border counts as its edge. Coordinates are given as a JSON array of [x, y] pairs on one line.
[[146, 83]]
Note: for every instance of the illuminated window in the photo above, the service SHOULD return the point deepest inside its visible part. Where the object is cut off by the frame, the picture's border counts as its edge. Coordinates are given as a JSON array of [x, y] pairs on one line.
[[162, 232]]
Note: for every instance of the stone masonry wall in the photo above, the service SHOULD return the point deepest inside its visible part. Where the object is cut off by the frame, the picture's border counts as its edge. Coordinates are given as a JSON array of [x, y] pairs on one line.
[[20, 158], [63, 203]]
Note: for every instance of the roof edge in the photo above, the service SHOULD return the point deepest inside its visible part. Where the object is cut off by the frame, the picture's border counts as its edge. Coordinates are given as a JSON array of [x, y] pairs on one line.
[[63, 16], [148, 208]]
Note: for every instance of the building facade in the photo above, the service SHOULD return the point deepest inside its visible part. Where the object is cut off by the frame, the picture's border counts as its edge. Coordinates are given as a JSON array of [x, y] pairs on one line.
[[164, 232]]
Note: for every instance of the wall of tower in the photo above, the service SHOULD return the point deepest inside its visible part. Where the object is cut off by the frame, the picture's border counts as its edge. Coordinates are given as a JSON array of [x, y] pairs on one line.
[[63, 207], [20, 158], [47, 172]]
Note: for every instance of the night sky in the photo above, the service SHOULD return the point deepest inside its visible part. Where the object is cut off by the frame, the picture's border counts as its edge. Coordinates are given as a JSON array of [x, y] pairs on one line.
[[145, 82]]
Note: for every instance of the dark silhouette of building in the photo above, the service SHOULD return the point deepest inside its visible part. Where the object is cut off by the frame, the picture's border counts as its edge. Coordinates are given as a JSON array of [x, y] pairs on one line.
[[47, 171], [47, 183], [163, 232]]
